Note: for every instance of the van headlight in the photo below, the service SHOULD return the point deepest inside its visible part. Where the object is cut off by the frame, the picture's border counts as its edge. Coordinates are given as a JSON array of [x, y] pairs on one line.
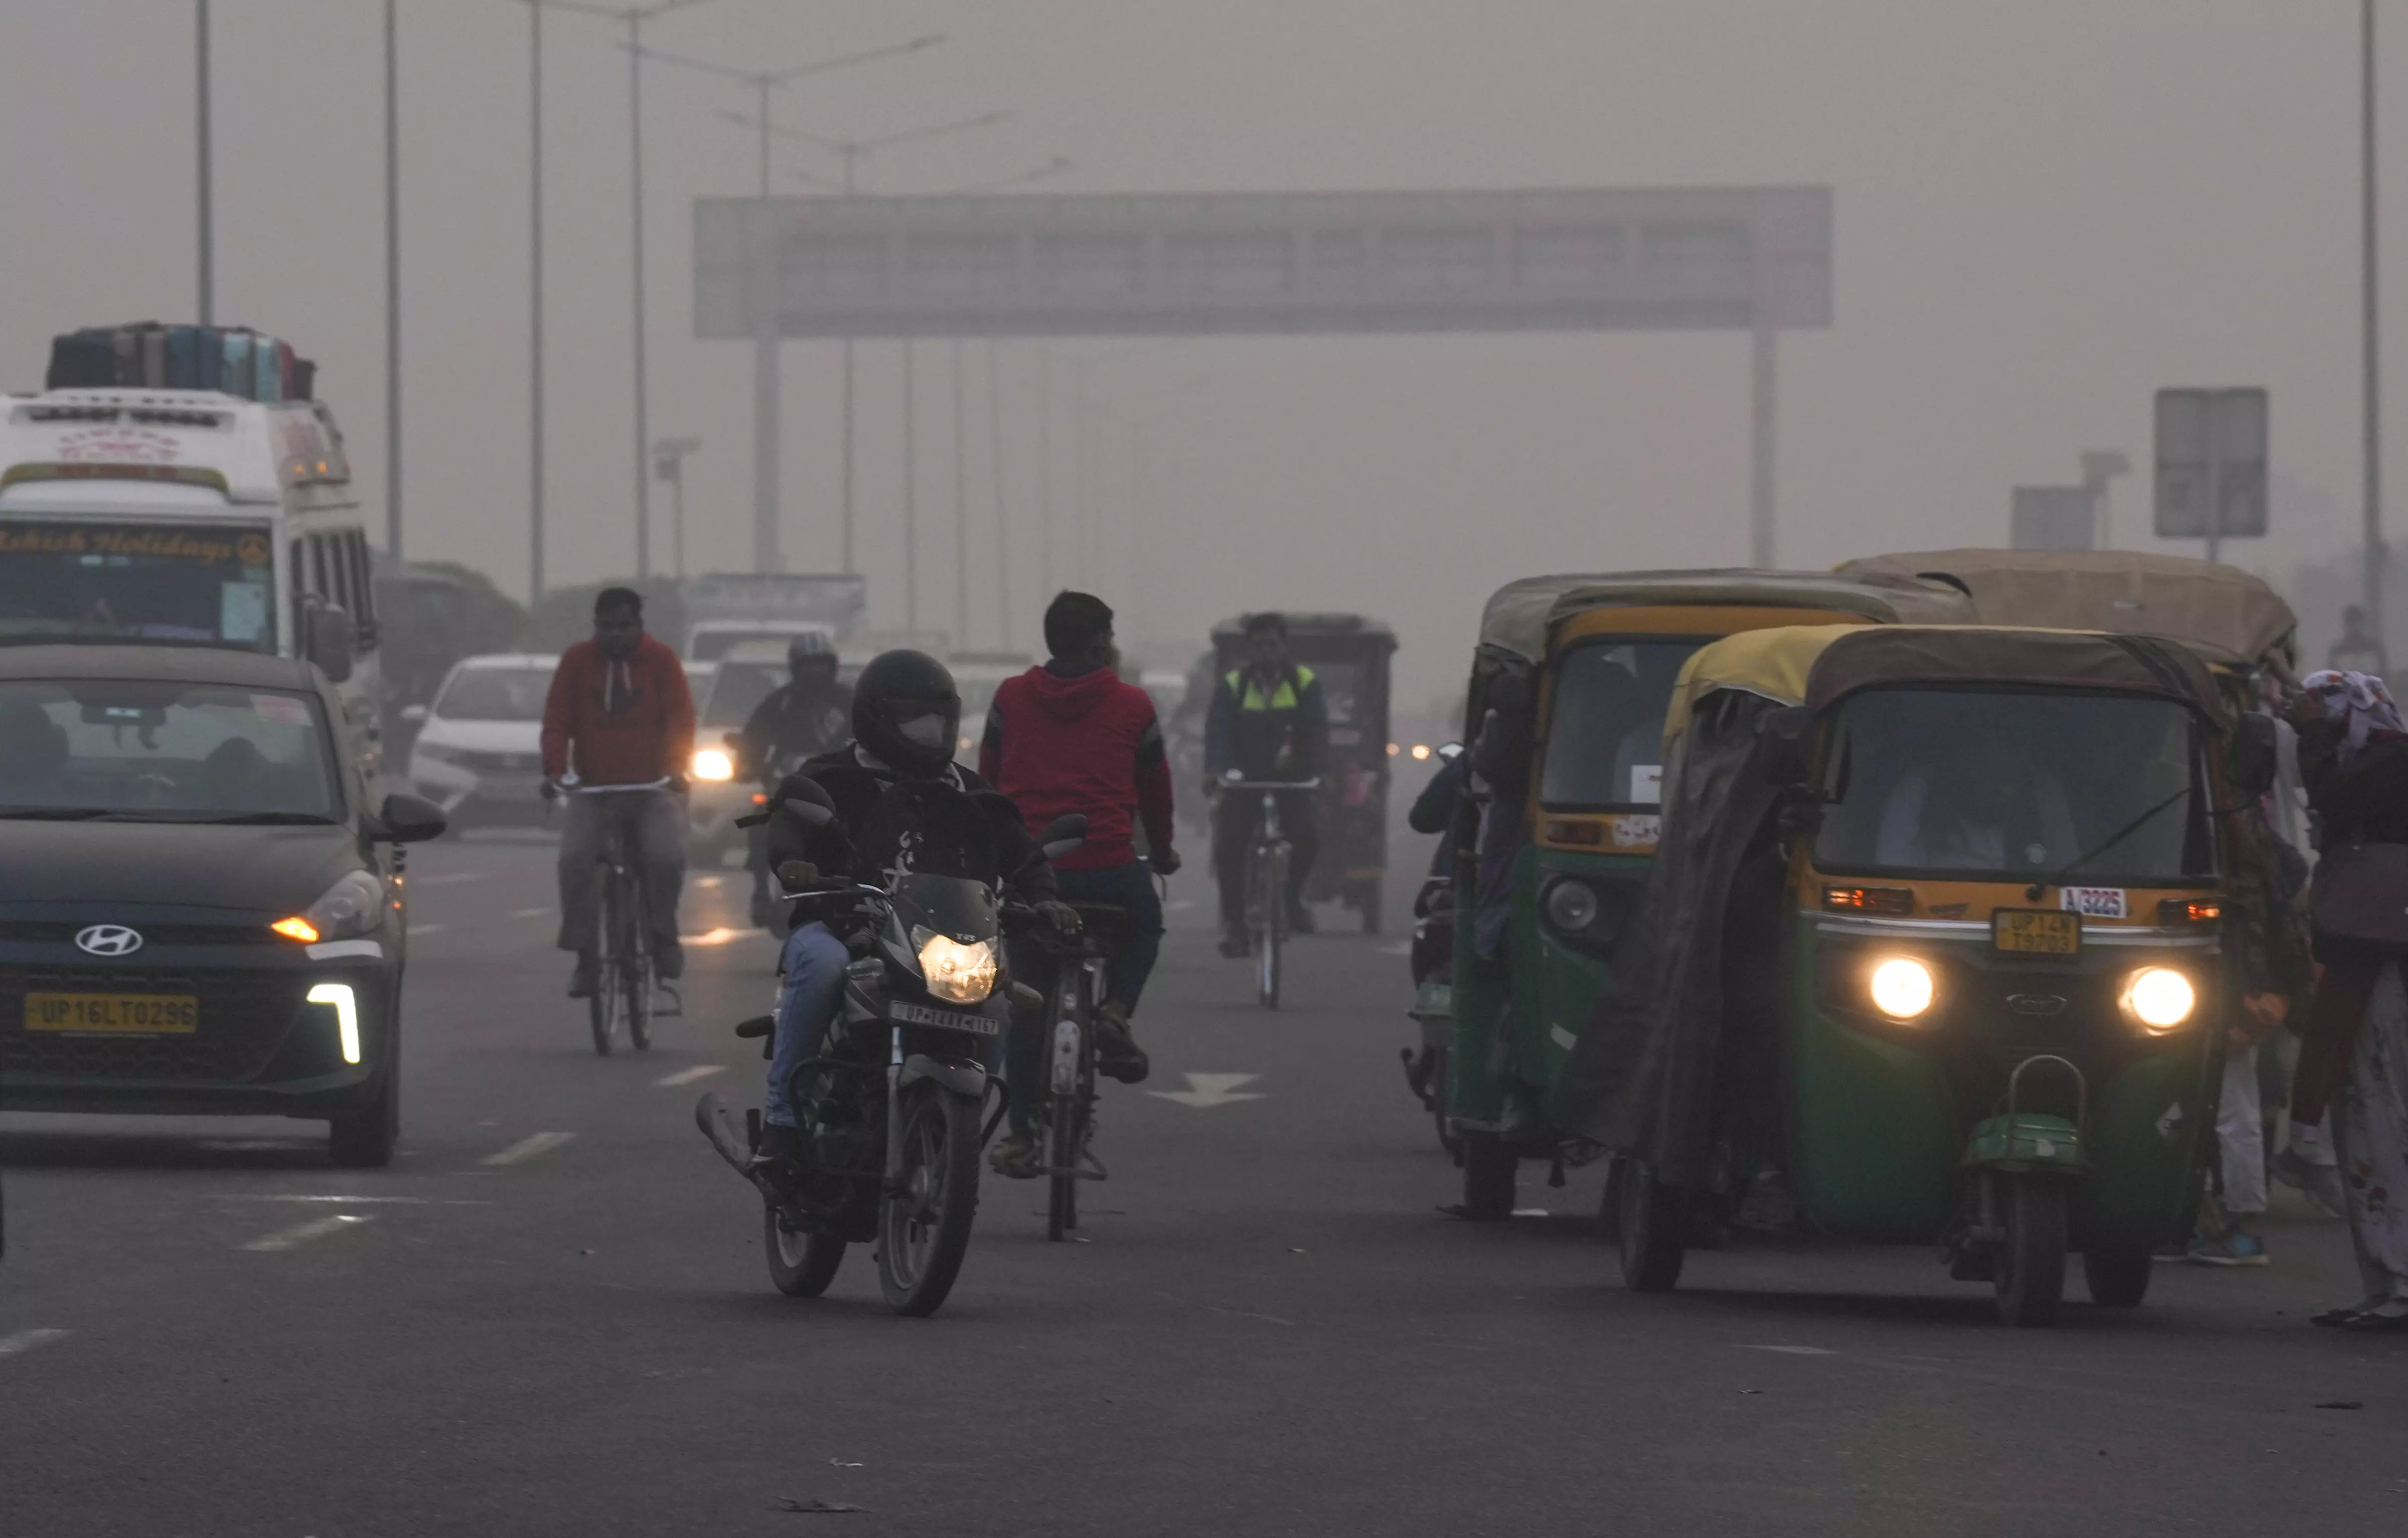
[[956, 972], [1902, 987], [2159, 999], [352, 906], [713, 763]]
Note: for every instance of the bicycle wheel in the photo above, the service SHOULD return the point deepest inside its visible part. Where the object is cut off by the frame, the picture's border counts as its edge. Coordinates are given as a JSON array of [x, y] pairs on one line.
[[1273, 867], [923, 1229], [602, 1005], [636, 966], [1066, 1111]]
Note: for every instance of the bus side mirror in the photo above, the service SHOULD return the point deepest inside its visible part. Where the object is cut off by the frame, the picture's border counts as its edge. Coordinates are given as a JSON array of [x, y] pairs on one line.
[[1784, 745], [330, 640], [2250, 757]]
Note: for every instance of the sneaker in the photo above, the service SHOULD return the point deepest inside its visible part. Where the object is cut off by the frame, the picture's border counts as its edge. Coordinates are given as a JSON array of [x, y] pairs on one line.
[[1234, 943], [2234, 1249], [1014, 1157], [1117, 1054], [1300, 920], [581, 978], [668, 961], [2320, 1183], [780, 1146]]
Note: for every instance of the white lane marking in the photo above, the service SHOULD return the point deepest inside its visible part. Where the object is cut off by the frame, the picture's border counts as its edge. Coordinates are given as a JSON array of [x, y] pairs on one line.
[[1207, 1090], [1404, 949], [529, 1147], [450, 878], [301, 1234], [688, 1075], [1793, 1350], [347, 1200], [530, 912], [721, 936], [428, 929], [26, 1340]]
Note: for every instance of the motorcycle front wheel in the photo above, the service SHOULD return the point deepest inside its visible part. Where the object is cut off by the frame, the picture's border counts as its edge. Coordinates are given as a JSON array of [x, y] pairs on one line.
[[801, 1265], [924, 1226]]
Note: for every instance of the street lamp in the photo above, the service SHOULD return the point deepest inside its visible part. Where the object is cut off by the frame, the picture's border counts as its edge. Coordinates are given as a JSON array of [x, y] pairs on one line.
[[2369, 240], [668, 463], [204, 208]]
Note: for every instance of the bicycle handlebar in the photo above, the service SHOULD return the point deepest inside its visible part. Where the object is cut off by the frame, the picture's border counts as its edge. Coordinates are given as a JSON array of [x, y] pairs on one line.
[[571, 788]]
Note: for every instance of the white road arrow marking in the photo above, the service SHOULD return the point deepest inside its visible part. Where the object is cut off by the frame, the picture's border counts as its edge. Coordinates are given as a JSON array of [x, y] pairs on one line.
[[1207, 1090], [688, 1075], [26, 1340], [528, 1148]]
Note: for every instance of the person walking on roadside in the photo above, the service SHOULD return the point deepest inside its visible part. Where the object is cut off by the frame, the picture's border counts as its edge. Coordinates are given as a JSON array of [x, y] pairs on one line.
[[2354, 1045], [619, 714], [1070, 736]]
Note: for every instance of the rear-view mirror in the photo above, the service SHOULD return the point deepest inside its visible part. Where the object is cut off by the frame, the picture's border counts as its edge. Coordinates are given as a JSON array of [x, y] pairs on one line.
[[410, 819], [1784, 746], [1062, 834], [2251, 756], [329, 640]]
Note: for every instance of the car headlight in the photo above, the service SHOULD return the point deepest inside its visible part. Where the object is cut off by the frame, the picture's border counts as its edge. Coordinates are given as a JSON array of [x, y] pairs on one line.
[[1902, 988], [352, 906], [956, 972], [2159, 999], [713, 763]]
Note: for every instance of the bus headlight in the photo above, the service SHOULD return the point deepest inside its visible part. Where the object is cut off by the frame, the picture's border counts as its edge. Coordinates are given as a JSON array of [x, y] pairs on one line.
[[713, 763], [1902, 987], [956, 972], [2159, 999]]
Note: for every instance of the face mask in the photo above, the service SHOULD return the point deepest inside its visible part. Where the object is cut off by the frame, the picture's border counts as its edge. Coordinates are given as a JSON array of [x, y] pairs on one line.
[[926, 731]]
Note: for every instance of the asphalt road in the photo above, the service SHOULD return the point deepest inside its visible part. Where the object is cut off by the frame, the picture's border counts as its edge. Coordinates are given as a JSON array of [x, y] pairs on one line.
[[551, 1315]]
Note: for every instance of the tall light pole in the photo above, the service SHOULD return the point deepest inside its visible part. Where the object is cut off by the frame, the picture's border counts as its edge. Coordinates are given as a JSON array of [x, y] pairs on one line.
[[668, 463], [391, 284], [2370, 235], [1002, 525], [633, 17], [205, 212], [767, 375], [535, 303]]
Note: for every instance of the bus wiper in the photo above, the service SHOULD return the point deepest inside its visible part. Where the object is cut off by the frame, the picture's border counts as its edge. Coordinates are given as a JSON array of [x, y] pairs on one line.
[[2031, 893]]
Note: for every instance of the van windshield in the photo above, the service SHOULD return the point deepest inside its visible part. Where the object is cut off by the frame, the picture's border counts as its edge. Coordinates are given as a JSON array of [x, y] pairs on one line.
[[1605, 735], [1991, 783], [495, 694], [213, 584], [164, 752]]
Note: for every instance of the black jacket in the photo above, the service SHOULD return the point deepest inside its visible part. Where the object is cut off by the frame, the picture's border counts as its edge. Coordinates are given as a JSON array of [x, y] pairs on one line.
[[797, 721], [952, 823]]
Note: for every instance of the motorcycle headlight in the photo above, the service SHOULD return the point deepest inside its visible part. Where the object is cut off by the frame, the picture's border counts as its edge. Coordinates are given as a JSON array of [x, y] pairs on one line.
[[713, 763], [352, 906], [956, 972], [2159, 999]]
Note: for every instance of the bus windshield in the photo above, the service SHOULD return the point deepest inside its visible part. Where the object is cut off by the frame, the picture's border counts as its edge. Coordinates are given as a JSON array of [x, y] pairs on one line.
[[213, 584]]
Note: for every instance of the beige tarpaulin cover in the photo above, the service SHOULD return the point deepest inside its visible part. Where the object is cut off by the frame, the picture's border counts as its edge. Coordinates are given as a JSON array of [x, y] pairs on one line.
[[2219, 611], [1520, 614]]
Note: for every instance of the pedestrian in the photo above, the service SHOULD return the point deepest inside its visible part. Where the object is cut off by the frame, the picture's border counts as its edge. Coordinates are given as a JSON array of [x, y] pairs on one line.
[[2354, 1043]]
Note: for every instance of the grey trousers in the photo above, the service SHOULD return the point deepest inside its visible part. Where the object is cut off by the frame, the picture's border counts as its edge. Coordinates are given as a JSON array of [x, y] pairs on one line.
[[654, 825]]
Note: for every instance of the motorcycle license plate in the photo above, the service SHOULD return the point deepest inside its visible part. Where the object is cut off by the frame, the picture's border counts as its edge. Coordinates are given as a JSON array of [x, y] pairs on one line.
[[2036, 931], [910, 1013], [114, 1013]]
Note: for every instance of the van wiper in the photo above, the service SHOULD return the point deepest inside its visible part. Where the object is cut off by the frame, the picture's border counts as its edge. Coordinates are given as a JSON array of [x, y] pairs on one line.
[[2031, 893]]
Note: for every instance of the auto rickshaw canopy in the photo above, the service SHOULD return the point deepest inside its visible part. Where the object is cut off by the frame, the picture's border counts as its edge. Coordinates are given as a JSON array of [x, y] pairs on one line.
[[2227, 614], [1521, 615]]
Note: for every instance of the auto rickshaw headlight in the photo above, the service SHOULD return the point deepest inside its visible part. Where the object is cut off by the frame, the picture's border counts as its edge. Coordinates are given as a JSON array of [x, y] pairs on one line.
[[1902, 987], [1572, 905], [2159, 999], [956, 972]]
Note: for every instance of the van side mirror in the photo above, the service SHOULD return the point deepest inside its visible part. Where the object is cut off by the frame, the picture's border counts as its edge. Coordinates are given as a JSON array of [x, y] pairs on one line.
[[410, 819], [1784, 746], [2251, 755], [330, 641]]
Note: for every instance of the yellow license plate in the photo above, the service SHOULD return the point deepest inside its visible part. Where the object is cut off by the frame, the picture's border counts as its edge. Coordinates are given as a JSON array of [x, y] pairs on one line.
[[114, 1013], [2036, 931]]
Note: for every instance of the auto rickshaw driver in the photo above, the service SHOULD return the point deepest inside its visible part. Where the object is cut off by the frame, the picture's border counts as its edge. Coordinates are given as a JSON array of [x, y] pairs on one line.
[[1981, 801]]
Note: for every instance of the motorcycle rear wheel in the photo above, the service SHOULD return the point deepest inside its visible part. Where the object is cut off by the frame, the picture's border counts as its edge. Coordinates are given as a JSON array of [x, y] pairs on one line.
[[801, 1265], [924, 1229]]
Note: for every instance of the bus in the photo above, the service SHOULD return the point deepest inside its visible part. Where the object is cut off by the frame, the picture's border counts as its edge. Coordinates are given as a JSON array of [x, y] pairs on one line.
[[189, 517]]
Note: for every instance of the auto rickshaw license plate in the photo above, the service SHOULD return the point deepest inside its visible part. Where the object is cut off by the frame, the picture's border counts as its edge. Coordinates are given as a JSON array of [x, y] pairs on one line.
[[114, 1013], [2036, 931]]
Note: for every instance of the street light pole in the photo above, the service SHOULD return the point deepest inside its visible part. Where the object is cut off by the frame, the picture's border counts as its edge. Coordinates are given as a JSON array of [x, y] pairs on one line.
[[535, 304], [1002, 528], [205, 212], [391, 284], [911, 502], [2376, 557]]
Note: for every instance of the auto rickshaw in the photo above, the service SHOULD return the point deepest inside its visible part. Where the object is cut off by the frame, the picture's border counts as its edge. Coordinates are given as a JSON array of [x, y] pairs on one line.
[[1932, 935], [1565, 717], [1348, 654]]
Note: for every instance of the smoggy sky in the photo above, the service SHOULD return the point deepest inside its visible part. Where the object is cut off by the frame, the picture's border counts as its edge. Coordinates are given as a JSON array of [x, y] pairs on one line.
[[2045, 212]]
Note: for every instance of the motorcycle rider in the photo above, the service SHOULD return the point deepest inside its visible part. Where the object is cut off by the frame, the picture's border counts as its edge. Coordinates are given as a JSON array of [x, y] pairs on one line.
[[806, 715], [906, 716], [619, 711], [1268, 722]]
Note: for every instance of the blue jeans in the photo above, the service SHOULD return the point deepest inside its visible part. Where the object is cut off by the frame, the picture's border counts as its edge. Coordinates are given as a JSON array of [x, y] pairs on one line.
[[813, 964], [1128, 886]]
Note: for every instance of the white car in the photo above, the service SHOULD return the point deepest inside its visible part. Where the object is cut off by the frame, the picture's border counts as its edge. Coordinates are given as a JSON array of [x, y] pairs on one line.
[[478, 753]]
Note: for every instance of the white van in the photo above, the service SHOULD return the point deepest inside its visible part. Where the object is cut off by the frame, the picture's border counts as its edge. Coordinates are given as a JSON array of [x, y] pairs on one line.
[[188, 517]]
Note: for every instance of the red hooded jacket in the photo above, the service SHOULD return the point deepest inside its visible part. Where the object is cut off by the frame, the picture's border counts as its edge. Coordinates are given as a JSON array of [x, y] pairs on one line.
[[1087, 744], [627, 722]]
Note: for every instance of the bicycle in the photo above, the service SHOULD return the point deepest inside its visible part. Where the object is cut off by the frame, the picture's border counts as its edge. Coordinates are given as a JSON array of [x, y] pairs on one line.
[[624, 970], [1267, 865], [1066, 1107]]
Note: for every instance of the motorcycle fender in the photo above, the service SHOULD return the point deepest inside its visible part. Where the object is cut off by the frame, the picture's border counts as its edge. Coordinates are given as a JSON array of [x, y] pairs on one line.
[[967, 1080]]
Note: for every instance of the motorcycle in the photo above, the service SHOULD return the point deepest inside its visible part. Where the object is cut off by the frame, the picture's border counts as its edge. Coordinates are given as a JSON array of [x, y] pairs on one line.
[[1432, 960], [896, 1096]]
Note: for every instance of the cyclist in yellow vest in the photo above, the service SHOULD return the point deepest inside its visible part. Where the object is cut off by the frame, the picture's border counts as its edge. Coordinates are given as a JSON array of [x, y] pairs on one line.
[[1268, 722]]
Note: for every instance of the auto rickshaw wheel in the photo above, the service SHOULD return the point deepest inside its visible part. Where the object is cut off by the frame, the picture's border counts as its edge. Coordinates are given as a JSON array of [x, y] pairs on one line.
[[1654, 1228], [2030, 1277], [1488, 1169], [2119, 1277]]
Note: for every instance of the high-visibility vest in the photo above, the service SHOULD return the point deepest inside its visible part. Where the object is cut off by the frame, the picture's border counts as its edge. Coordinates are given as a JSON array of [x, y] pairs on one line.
[[1250, 691]]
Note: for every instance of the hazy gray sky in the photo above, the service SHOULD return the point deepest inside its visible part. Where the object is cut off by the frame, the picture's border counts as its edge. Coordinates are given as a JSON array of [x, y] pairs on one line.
[[2044, 212]]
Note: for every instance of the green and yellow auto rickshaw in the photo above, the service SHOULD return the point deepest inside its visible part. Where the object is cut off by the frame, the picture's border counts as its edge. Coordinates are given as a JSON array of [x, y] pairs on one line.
[[1565, 720], [1932, 936]]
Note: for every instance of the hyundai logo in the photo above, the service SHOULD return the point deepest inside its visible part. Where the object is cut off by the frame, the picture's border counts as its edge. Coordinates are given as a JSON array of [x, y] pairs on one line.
[[2036, 1003], [108, 940]]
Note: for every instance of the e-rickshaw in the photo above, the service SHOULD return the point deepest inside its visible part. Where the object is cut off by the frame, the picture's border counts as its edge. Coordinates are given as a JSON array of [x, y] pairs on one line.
[[1564, 721], [1933, 934], [1348, 654]]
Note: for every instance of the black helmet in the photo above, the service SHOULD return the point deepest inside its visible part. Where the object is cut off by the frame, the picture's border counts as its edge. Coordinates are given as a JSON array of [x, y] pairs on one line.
[[906, 712], [811, 649]]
